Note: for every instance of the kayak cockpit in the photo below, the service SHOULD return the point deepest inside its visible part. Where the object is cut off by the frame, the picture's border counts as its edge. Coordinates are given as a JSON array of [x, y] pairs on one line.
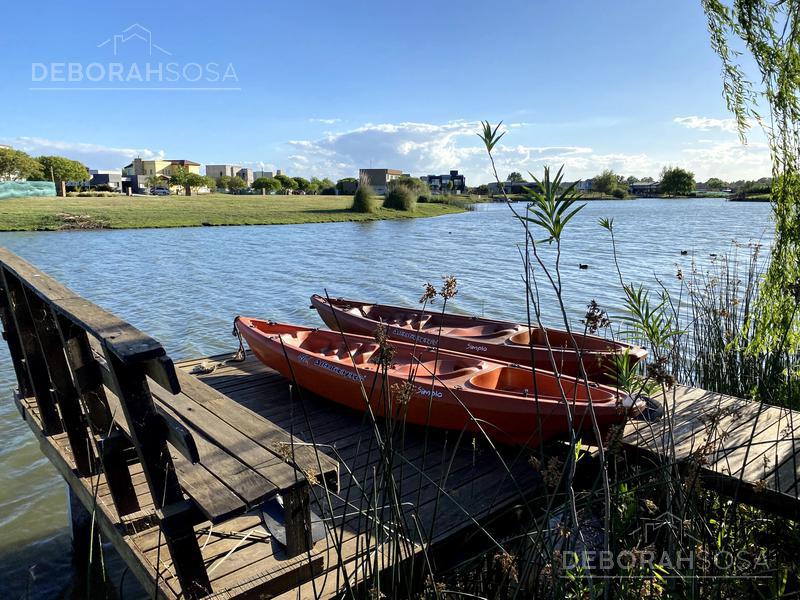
[[515, 380]]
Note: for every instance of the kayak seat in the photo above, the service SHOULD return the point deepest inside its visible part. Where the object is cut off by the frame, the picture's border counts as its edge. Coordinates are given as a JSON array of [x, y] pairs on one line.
[[364, 353]]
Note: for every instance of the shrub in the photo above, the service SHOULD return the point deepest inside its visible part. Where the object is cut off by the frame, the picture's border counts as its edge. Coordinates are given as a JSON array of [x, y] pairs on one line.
[[618, 193], [362, 200], [417, 186], [423, 198], [401, 198]]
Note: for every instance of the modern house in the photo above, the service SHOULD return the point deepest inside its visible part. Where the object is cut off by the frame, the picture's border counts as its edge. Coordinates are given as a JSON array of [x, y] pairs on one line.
[[260, 174], [452, 182], [645, 189], [161, 167], [379, 179], [110, 179], [585, 185], [140, 171], [217, 171]]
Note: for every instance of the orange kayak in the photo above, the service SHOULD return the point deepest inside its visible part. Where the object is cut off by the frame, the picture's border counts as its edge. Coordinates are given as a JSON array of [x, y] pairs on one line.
[[513, 405], [494, 340]]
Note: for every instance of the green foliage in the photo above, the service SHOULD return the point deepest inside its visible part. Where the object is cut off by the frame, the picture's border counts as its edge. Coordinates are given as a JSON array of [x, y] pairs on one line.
[[346, 181], [195, 180], [62, 169], [156, 181], [619, 193], [16, 164], [303, 184], [770, 32], [676, 181], [362, 200], [551, 207], [235, 184], [401, 198], [287, 183], [714, 183], [606, 182], [515, 177], [222, 182], [416, 186], [270, 184]]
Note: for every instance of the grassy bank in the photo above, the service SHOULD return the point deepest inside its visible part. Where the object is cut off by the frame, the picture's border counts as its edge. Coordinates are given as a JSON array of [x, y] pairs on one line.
[[50, 214]]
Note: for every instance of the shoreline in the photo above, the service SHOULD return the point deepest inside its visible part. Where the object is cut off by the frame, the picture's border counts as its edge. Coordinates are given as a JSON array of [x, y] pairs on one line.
[[34, 214]]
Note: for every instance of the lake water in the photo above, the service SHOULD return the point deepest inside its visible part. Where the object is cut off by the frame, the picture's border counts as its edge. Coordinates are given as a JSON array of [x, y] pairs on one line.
[[184, 287]]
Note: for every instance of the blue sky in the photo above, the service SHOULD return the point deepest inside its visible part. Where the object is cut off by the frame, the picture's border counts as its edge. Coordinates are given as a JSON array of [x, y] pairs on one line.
[[321, 88]]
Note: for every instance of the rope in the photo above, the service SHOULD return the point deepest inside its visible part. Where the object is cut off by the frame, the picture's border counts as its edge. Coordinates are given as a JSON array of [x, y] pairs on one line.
[[204, 368]]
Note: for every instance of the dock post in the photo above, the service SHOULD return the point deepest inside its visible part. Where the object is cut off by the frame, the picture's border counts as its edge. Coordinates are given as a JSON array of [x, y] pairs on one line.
[[86, 548]]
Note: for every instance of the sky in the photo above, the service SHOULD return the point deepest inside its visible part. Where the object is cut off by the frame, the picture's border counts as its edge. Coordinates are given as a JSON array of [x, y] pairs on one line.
[[323, 88]]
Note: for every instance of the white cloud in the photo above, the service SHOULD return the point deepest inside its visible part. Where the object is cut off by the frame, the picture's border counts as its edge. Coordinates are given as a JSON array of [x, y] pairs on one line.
[[324, 121], [707, 123], [728, 160], [94, 156]]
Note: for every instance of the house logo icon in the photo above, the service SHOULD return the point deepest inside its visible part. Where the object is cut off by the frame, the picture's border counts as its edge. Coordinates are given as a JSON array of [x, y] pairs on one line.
[[137, 34], [663, 526]]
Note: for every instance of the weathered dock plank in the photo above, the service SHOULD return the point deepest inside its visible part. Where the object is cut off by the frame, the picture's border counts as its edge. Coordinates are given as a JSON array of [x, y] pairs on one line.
[[743, 446]]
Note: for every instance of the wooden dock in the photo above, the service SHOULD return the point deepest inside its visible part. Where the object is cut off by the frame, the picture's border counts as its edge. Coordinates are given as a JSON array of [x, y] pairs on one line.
[[742, 448], [216, 478]]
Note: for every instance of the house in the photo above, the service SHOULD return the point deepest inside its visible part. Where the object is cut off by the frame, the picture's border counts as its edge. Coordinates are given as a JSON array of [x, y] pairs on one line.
[[260, 174], [160, 167], [645, 189], [585, 185], [140, 171], [217, 171], [110, 179], [453, 182], [379, 179]]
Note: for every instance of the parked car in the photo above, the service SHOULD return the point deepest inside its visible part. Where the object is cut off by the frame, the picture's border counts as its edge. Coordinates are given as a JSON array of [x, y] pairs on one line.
[[159, 191]]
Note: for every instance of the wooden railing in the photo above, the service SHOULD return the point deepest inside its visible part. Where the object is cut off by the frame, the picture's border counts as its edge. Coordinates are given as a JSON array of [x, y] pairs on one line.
[[92, 376]]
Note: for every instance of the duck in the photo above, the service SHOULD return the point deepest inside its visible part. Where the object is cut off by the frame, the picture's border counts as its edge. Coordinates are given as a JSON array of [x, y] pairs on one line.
[[684, 252], [582, 266]]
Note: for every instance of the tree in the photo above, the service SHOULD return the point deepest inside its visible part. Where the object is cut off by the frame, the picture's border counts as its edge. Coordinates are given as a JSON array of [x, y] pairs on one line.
[[762, 35], [715, 184], [156, 181], [235, 184], [270, 184], [631, 180], [16, 164], [61, 170], [647, 180], [676, 181], [195, 181], [287, 183], [222, 182], [606, 182], [178, 177], [303, 184], [515, 177], [344, 185]]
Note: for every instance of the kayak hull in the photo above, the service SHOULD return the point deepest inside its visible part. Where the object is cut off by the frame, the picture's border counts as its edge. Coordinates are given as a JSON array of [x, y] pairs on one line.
[[496, 340], [440, 390]]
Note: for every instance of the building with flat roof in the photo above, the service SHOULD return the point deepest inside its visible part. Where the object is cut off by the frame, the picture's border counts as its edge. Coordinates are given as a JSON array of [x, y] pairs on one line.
[[444, 184], [379, 179], [217, 171]]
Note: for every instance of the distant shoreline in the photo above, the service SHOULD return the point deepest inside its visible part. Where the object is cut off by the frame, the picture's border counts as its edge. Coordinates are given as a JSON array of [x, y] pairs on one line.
[[145, 212]]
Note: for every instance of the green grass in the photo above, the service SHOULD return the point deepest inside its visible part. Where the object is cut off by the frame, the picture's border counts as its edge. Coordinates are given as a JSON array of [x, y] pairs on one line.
[[49, 214]]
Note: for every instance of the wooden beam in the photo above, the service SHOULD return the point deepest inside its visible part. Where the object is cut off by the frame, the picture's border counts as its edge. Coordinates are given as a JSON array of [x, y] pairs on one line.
[[11, 336], [64, 393], [32, 352]]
